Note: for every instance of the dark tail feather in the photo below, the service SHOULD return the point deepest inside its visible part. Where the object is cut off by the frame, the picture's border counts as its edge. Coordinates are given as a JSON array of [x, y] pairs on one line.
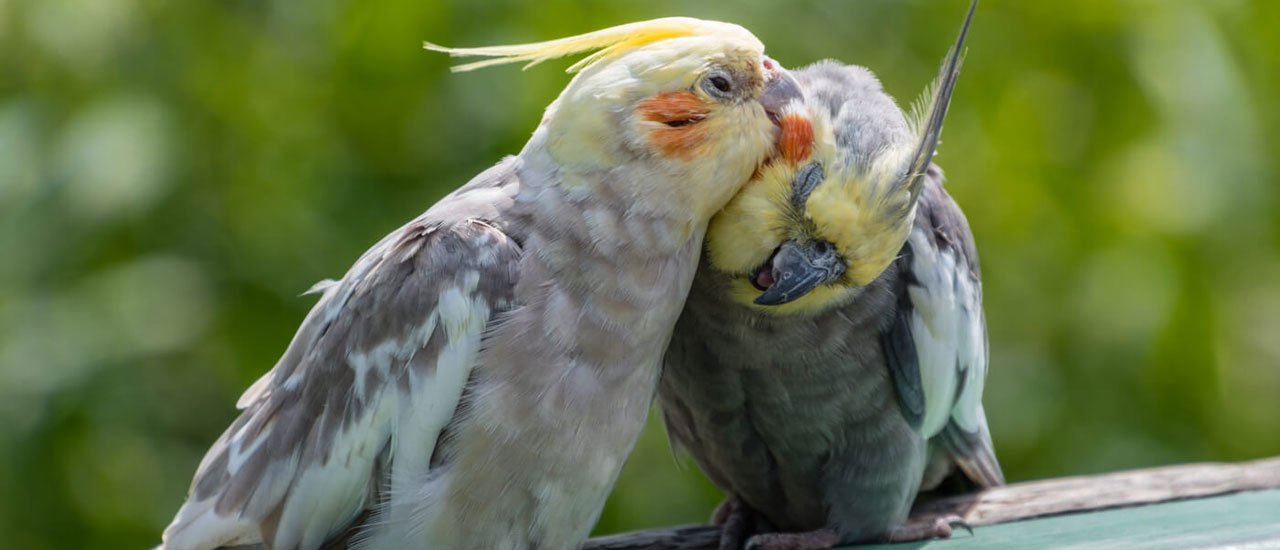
[[974, 453]]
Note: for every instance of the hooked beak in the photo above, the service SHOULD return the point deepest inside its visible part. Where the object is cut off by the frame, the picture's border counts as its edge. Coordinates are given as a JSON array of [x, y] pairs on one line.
[[780, 89], [795, 270]]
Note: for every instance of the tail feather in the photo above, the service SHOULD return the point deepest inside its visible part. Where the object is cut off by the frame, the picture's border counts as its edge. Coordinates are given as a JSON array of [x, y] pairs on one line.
[[199, 527], [974, 453]]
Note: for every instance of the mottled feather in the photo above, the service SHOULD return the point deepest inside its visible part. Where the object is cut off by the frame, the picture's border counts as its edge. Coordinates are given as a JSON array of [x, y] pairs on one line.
[[299, 463], [479, 376], [837, 416]]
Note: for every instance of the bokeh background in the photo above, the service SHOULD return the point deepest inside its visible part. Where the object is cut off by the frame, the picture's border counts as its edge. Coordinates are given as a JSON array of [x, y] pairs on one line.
[[174, 174]]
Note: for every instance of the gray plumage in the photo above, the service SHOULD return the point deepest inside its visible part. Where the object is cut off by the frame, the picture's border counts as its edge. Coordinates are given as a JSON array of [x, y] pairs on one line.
[[819, 419], [478, 377], [385, 327]]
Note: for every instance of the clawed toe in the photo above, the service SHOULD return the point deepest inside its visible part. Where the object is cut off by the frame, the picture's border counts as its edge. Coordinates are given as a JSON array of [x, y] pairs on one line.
[[932, 528], [957, 521]]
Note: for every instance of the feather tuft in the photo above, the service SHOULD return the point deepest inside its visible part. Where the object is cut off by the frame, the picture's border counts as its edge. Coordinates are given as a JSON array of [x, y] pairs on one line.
[[928, 112], [604, 44]]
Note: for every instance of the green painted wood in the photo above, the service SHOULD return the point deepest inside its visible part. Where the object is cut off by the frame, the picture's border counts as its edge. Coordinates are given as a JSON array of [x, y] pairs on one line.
[[1249, 519]]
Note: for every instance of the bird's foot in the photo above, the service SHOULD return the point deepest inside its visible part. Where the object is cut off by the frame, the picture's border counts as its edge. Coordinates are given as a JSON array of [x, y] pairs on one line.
[[820, 539], [735, 521], [928, 528], [724, 511]]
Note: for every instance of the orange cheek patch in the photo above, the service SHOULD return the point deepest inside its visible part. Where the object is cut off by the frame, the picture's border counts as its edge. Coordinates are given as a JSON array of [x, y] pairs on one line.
[[679, 113], [686, 142], [795, 141], [680, 108]]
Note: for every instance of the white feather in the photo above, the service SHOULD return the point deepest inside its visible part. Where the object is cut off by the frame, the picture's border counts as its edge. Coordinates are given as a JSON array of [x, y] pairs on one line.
[[203, 528], [423, 414], [326, 497], [237, 452], [323, 498], [967, 412], [256, 391], [936, 327]]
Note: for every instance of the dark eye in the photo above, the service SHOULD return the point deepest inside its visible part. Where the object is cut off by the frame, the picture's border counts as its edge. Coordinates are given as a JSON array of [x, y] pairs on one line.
[[718, 85]]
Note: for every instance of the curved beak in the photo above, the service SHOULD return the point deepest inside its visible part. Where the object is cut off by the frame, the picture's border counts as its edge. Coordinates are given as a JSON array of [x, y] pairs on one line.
[[796, 269], [780, 89]]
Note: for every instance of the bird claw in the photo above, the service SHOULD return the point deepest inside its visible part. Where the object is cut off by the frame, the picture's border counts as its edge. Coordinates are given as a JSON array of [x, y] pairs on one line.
[[957, 521], [933, 528]]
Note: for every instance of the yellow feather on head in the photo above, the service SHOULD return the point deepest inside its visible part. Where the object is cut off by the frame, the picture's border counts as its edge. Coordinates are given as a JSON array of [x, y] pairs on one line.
[[606, 43]]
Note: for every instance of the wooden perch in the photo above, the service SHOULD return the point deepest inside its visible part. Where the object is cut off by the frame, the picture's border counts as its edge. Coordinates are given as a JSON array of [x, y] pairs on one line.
[[1020, 501]]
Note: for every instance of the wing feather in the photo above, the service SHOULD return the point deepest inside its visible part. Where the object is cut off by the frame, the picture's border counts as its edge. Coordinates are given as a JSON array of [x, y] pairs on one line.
[[388, 348], [937, 345]]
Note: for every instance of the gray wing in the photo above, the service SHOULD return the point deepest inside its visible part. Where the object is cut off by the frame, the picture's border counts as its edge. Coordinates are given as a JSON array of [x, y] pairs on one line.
[[937, 344], [376, 370]]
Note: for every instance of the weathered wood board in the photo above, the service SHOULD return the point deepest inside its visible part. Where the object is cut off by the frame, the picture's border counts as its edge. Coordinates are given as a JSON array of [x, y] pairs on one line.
[[1184, 506], [1240, 520]]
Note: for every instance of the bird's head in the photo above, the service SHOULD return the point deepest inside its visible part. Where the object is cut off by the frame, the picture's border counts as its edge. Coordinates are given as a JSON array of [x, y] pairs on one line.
[[827, 217], [695, 105]]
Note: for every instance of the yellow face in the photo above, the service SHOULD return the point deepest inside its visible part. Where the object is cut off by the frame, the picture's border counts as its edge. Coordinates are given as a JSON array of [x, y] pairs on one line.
[[683, 109], [701, 108], [709, 124], [859, 211]]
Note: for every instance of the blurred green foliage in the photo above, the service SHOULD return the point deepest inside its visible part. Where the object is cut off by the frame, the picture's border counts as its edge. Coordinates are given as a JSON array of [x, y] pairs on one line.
[[174, 174]]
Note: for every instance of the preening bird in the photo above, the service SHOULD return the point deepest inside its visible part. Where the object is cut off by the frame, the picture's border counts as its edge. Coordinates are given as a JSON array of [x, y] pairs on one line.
[[478, 377], [830, 360]]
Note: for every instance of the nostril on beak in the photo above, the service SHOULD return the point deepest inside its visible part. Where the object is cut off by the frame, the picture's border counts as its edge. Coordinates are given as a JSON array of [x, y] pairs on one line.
[[780, 89]]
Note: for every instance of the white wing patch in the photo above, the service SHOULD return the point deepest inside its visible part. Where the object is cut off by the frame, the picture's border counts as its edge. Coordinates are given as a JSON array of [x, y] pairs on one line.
[[382, 356], [205, 529], [947, 334], [430, 405], [326, 496], [237, 453], [972, 361], [376, 371]]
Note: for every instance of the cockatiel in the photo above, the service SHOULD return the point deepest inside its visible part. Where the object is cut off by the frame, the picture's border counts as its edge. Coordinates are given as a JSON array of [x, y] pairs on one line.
[[478, 377], [830, 360]]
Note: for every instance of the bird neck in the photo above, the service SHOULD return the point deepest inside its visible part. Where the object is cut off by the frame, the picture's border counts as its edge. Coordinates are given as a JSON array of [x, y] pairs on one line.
[[617, 208]]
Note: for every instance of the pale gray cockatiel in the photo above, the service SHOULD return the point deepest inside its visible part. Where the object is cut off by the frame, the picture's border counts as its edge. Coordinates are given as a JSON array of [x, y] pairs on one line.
[[478, 377], [830, 360]]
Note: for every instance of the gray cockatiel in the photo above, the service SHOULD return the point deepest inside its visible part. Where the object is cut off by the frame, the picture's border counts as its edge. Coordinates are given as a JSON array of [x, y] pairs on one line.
[[478, 377], [830, 360]]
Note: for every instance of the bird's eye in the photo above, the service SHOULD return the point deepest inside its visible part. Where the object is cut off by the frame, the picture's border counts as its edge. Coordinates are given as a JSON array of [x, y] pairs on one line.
[[718, 85]]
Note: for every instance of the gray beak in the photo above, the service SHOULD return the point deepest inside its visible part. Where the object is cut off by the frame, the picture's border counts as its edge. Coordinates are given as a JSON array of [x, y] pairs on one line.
[[798, 268], [779, 90]]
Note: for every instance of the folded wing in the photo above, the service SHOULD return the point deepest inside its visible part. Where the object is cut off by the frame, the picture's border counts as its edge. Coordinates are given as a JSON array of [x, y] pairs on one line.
[[376, 371], [937, 345]]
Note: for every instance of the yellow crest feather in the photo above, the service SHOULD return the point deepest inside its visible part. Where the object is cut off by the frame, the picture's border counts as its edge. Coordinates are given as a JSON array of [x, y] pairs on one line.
[[606, 43]]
